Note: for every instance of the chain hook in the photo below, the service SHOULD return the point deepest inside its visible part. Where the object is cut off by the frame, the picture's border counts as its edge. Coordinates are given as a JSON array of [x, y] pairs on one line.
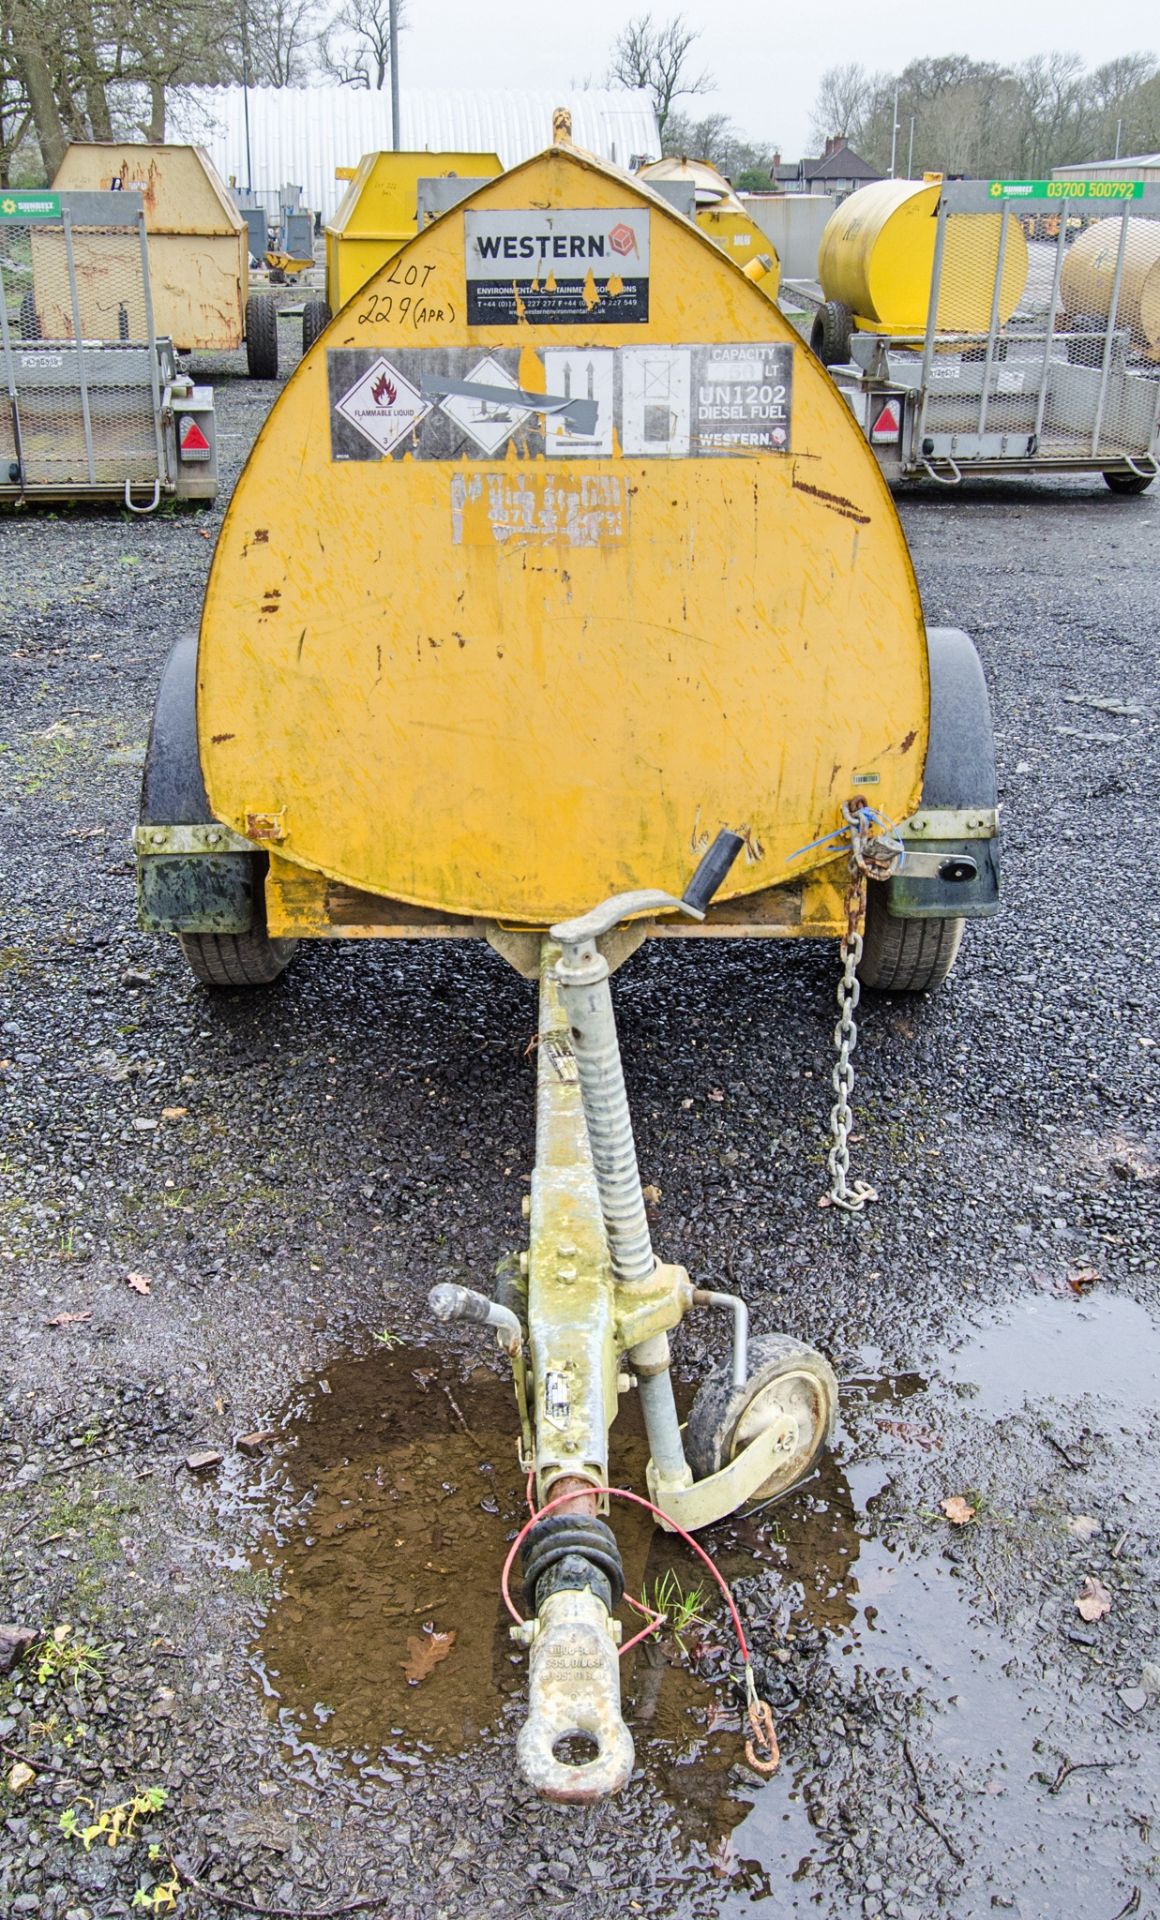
[[762, 1730], [874, 855]]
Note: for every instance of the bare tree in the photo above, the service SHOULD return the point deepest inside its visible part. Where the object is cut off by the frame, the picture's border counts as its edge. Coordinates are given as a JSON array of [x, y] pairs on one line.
[[655, 59], [845, 97], [283, 39], [356, 45], [1114, 90]]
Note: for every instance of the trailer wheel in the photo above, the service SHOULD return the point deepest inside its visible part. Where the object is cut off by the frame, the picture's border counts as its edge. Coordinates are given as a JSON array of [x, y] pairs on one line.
[[830, 333], [906, 956], [262, 337], [1129, 482], [236, 959], [315, 320], [789, 1383], [29, 324]]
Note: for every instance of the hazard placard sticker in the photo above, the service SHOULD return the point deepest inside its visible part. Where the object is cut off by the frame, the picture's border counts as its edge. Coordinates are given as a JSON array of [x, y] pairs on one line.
[[383, 406], [486, 405]]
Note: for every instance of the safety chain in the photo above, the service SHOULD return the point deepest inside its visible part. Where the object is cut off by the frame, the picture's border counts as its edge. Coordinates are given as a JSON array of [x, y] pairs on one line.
[[872, 856]]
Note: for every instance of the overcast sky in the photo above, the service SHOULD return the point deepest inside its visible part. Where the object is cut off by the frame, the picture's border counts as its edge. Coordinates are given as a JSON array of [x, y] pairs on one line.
[[767, 56]]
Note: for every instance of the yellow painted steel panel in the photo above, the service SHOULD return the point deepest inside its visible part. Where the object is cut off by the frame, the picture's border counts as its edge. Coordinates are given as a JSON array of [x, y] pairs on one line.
[[198, 253], [378, 212], [504, 684], [1089, 273], [876, 256]]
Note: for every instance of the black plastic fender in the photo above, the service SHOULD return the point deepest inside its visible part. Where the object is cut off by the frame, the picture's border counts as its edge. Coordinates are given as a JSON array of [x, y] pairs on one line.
[[959, 774], [186, 893]]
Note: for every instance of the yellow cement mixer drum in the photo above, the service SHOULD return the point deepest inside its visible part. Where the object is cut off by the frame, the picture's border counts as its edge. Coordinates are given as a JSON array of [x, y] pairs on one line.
[[558, 552]]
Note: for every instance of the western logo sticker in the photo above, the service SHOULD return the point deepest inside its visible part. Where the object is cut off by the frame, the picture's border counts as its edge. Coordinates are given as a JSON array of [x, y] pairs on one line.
[[551, 266]]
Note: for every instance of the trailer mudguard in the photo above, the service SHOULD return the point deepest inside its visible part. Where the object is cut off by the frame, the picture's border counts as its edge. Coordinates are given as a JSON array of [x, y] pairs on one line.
[[203, 892], [959, 777]]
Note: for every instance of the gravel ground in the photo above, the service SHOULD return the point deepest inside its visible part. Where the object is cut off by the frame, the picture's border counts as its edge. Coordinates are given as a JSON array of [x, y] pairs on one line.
[[291, 1172]]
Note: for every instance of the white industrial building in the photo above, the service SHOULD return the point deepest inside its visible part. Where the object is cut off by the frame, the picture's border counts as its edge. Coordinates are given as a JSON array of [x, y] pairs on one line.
[[300, 135], [1130, 166]]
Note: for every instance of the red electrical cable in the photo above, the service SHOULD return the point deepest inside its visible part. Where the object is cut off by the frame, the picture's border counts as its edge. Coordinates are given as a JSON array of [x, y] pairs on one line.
[[638, 1500]]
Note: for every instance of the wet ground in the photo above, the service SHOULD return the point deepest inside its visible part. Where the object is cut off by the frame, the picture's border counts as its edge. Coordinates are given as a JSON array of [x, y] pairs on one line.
[[305, 1649]]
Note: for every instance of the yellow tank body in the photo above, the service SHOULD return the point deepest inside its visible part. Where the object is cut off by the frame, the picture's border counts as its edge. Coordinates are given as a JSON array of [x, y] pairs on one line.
[[495, 659], [1089, 272], [720, 214], [199, 263], [876, 256], [378, 212]]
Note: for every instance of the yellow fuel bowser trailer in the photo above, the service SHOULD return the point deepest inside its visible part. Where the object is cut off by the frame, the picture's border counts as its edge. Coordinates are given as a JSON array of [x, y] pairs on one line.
[[719, 213], [199, 262], [379, 212], [587, 619], [964, 347]]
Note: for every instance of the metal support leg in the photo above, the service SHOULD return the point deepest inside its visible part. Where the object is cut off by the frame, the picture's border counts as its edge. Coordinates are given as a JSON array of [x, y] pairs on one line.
[[586, 996], [574, 1677]]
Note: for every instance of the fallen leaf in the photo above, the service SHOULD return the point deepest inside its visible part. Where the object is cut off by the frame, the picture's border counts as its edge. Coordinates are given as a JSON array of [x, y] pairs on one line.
[[138, 1281], [174, 1113], [652, 1196], [19, 1777], [1082, 1525], [68, 1319], [424, 1652], [1093, 1599], [958, 1511], [1083, 1279]]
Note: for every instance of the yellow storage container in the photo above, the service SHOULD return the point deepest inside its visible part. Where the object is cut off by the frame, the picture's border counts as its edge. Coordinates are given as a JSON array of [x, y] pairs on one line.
[[877, 256], [198, 255], [1089, 272], [378, 213], [720, 214]]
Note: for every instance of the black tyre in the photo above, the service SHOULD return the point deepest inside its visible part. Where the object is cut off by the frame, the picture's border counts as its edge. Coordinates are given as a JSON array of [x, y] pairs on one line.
[[906, 956], [262, 337], [315, 320], [1129, 482], [236, 959], [790, 1383], [830, 333], [29, 324]]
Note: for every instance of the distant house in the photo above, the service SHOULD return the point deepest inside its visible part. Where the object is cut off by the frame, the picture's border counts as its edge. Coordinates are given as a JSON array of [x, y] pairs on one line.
[[839, 170]]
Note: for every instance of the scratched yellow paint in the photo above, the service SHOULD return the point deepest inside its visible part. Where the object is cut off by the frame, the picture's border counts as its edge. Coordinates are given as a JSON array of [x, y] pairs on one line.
[[514, 730]]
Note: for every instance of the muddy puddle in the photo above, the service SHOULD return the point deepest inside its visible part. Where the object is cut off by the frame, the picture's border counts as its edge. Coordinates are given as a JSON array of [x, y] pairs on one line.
[[395, 1492]]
